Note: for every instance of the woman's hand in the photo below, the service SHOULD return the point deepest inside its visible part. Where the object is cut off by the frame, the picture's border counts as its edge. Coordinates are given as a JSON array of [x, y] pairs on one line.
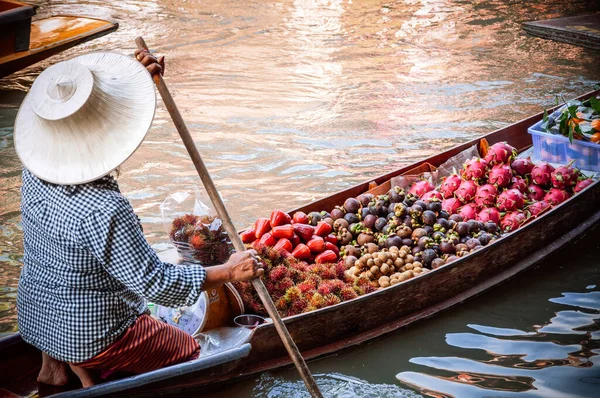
[[153, 65], [244, 266]]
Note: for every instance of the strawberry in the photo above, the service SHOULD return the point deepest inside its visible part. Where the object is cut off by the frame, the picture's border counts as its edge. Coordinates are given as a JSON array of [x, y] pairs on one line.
[[283, 244], [301, 252], [248, 236], [316, 244], [295, 240], [332, 247], [300, 218], [268, 240], [279, 218], [327, 256], [323, 229], [261, 226], [304, 231], [332, 238], [283, 231]]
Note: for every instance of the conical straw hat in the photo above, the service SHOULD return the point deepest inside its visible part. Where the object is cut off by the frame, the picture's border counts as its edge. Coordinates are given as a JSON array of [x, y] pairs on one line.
[[84, 117]]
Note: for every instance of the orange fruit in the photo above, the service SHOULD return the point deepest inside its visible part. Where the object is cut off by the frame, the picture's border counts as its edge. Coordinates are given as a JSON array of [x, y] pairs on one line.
[[596, 124], [595, 138]]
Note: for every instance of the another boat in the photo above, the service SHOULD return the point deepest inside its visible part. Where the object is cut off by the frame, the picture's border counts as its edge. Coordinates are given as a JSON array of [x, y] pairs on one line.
[[24, 42], [353, 322]]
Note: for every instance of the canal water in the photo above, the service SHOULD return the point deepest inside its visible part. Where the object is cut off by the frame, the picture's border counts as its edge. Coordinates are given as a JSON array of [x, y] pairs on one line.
[[292, 100]]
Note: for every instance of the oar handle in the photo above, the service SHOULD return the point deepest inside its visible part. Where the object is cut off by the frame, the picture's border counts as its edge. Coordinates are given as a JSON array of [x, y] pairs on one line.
[[216, 200]]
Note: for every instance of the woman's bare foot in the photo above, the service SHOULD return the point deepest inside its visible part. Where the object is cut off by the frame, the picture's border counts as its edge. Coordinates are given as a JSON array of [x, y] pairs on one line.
[[86, 376], [53, 372]]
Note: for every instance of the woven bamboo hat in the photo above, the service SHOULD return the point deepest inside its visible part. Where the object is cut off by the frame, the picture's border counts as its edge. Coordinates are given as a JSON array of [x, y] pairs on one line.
[[84, 117]]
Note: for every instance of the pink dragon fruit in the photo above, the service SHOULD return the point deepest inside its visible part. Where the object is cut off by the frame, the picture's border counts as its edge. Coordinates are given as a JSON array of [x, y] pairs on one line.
[[486, 195], [518, 183], [466, 191], [468, 212], [564, 177], [451, 205], [535, 192], [489, 214], [581, 185], [430, 195], [500, 152], [511, 199], [513, 220], [449, 185], [556, 196], [500, 175], [541, 174], [522, 166], [537, 208], [474, 169], [420, 188]]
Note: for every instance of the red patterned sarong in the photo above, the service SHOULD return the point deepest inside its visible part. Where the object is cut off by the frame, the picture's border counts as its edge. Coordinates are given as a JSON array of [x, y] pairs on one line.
[[146, 345]]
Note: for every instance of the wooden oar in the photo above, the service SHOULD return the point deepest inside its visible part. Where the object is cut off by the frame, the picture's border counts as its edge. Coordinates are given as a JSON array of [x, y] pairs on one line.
[[291, 347]]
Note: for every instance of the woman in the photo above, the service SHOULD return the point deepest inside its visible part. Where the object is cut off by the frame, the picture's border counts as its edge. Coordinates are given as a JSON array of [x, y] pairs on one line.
[[88, 270]]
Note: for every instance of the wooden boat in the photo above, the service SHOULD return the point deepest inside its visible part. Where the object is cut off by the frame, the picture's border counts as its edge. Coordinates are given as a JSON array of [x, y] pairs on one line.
[[24, 42], [330, 329]]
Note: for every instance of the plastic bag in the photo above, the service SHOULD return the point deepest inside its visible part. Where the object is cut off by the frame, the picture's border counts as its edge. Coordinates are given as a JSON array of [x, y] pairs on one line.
[[194, 228], [221, 339]]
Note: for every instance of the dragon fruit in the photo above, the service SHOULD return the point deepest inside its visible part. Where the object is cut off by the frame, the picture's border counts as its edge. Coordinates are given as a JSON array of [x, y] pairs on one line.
[[489, 214], [500, 152], [556, 196], [535, 192], [512, 221], [468, 211], [564, 177], [511, 199], [486, 195], [541, 174], [474, 169], [522, 166], [449, 185], [581, 185], [420, 188], [431, 195], [518, 183], [451, 205], [466, 191], [500, 175], [538, 207]]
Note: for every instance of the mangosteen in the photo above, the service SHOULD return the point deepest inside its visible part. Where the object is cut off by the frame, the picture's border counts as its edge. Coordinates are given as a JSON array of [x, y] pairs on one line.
[[427, 256], [429, 229], [390, 216], [375, 207], [491, 227], [418, 233], [438, 236], [473, 226], [355, 228], [437, 262], [396, 194], [407, 242], [393, 240], [337, 213], [380, 223], [399, 209], [386, 229], [461, 247], [351, 251], [371, 247], [462, 228], [351, 218], [351, 205], [447, 247], [364, 212], [415, 211], [484, 239], [325, 214], [346, 237], [472, 243], [451, 258], [369, 221], [424, 241], [434, 205], [481, 226], [443, 214], [464, 239], [340, 224], [404, 232], [429, 217], [364, 199], [410, 199], [314, 218], [443, 223], [415, 250], [451, 224], [421, 204], [455, 217], [384, 211], [364, 238]]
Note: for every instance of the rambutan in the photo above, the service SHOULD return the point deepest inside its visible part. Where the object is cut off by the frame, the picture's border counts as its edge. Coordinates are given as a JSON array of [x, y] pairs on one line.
[[317, 300], [284, 285], [278, 273], [348, 293], [306, 286], [297, 307], [331, 299], [292, 294]]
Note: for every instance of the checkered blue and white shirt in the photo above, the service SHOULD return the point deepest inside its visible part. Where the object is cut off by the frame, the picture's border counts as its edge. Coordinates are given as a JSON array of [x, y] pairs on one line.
[[88, 270]]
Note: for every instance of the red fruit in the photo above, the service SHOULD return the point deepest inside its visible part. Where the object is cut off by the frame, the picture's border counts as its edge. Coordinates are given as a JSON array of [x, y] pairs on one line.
[[420, 188], [489, 214], [556, 196], [268, 240], [323, 229], [316, 244], [537, 208], [301, 252], [431, 195], [518, 183], [581, 185], [486, 195], [451, 205], [328, 256], [300, 218], [500, 175], [449, 185], [513, 220], [511, 199], [283, 244], [304, 231], [261, 226], [541, 174], [468, 212], [295, 240], [522, 166], [248, 236], [500, 153], [535, 192], [564, 177], [474, 169], [279, 218], [466, 191], [332, 247], [283, 231], [331, 238]]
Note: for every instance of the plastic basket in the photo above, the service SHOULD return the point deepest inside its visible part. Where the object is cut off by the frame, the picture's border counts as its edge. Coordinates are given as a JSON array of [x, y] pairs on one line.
[[556, 148]]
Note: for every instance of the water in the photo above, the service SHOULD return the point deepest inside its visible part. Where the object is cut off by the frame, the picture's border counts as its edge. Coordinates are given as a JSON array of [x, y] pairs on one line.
[[292, 100]]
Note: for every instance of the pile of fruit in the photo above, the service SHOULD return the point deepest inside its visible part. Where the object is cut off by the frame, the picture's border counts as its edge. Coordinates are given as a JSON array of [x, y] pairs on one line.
[[201, 239], [579, 120], [373, 242]]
